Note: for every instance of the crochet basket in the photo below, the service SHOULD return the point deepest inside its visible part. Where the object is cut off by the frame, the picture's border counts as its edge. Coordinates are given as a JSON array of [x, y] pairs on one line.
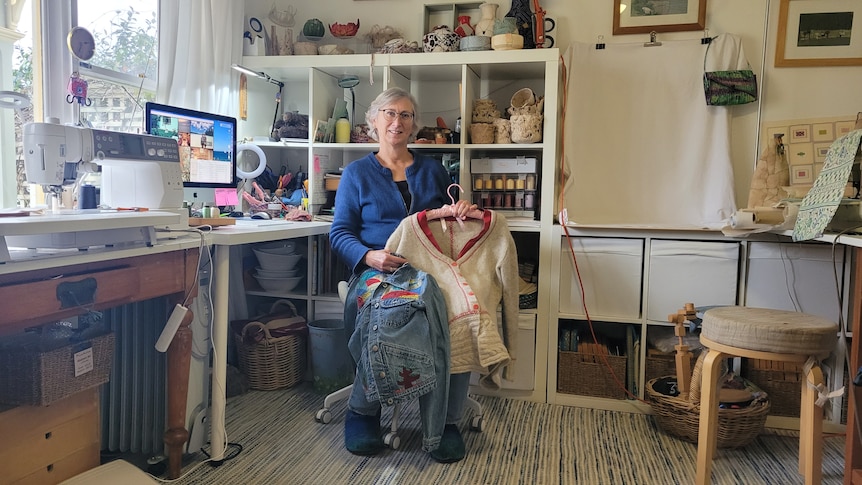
[[680, 417]]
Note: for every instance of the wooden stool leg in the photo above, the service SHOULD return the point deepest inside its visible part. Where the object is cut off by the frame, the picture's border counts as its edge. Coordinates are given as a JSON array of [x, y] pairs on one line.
[[811, 429], [707, 433]]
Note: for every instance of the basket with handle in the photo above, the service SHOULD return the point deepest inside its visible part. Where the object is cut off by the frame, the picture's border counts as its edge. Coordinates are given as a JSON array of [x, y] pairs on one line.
[[679, 414], [272, 347]]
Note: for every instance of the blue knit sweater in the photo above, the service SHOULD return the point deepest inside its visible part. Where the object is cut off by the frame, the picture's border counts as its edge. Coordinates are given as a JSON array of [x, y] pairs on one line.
[[368, 205]]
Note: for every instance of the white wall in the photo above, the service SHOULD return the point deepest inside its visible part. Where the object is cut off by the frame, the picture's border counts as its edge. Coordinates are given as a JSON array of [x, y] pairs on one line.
[[787, 93]]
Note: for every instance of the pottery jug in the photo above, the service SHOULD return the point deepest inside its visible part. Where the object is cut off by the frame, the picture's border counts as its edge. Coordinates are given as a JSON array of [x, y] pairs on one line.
[[485, 26], [464, 28], [524, 14]]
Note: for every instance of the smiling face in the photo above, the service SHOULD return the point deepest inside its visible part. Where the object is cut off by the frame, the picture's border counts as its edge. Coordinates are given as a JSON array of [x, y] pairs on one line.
[[397, 129]]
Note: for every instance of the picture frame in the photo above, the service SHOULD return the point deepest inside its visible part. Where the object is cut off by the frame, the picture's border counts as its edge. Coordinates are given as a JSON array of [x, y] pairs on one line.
[[815, 33], [645, 16]]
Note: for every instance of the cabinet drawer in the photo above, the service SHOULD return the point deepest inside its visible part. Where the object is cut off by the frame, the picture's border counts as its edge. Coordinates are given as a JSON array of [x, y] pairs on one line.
[[38, 438], [611, 272], [40, 300]]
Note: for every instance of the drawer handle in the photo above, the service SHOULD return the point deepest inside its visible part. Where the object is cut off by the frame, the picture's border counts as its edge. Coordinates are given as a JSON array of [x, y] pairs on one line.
[[77, 293]]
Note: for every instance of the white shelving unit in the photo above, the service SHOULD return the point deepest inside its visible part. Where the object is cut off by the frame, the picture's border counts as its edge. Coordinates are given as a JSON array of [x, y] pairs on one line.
[[445, 86], [633, 278]]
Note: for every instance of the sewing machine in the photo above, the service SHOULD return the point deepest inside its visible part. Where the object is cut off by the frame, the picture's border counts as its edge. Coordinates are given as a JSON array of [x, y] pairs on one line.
[[139, 172]]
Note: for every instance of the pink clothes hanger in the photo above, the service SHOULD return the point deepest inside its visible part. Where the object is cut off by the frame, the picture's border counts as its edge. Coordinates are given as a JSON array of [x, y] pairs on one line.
[[447, 211]]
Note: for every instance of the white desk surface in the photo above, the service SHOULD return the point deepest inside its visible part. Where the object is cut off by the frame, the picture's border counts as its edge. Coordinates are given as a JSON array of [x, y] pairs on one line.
[[271, 231]]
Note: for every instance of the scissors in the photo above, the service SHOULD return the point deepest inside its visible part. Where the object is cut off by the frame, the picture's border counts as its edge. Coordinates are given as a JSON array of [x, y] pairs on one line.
[[255, 29]]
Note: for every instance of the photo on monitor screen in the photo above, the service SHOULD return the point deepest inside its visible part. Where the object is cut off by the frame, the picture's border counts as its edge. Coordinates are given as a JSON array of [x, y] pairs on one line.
[[207, 143]]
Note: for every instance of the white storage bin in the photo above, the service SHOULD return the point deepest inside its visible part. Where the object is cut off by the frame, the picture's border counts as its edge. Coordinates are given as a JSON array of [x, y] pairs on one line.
[[699, 272], [780, 275], [523, 376], [611, 272]]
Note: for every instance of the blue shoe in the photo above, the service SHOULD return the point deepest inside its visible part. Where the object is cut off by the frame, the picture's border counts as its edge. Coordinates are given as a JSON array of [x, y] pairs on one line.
[[451, 447], [362, 434]]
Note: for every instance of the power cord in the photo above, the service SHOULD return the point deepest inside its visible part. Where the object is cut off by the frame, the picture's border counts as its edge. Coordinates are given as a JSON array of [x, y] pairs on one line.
[[236, 447]]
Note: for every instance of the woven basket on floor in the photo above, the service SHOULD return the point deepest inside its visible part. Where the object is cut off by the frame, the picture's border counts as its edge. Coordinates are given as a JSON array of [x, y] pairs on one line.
[[681, 417], [272, 348]]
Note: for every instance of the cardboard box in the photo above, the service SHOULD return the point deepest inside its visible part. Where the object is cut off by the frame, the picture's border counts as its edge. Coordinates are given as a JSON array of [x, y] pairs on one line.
[[503, 165]]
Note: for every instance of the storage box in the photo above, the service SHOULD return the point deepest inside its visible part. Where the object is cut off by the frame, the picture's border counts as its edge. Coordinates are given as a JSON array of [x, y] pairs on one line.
[[587, 375], [38, 370], [781, 380], [503, 165]]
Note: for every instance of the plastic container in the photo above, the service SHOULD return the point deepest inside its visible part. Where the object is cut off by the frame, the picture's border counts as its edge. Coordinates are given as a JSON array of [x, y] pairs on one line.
[[331, 364]]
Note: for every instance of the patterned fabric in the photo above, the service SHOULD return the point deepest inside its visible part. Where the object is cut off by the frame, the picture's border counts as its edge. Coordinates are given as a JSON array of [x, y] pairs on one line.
[[822, 200]]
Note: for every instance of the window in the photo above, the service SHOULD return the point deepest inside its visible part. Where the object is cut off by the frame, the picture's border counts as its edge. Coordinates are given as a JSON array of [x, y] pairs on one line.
[[121, 76]]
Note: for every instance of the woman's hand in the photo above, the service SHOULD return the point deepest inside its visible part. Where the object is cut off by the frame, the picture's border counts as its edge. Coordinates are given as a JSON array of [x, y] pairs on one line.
[[383, 260], [461, 208]]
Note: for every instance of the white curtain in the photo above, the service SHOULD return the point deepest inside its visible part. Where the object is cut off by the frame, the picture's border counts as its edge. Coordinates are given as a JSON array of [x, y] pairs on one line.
[[642, 146], [198, 42]]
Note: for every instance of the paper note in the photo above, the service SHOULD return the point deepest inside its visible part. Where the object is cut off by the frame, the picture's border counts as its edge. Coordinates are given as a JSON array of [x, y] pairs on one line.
[[226, 197]]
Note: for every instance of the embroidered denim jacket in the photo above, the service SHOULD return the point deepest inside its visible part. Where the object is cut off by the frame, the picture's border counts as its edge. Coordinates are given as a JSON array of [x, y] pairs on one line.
[[401, 343]]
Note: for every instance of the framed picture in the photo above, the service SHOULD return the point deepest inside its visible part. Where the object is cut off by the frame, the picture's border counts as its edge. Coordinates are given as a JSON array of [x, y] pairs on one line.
[[819, 33], [645, 16]]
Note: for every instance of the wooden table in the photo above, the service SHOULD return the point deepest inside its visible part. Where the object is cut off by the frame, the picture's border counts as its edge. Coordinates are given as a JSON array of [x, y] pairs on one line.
[[122, 275]]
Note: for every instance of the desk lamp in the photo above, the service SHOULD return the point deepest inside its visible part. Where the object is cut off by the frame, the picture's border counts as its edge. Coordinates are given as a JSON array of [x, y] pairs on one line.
[[269, 79]]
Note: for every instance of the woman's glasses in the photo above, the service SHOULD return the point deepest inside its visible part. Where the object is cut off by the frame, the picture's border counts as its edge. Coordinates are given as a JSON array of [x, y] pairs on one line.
[[391, 114]]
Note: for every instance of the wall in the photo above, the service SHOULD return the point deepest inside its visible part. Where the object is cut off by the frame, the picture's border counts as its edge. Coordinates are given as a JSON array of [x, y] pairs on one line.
[[787, 93]]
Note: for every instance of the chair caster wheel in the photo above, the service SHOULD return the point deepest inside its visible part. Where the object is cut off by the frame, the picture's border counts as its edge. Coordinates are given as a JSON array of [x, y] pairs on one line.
[[392, 440], [476, 424], [323, 416]]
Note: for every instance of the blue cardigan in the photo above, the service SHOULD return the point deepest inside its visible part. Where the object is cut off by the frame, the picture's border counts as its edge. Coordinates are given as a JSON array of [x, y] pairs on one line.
[[368, 205]]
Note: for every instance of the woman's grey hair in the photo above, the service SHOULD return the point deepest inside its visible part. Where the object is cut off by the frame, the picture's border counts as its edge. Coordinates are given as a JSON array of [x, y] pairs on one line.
[[386, 98]]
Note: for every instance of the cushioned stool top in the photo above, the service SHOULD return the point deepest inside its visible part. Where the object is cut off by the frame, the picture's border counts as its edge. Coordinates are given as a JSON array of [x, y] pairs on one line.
[[777, 331]]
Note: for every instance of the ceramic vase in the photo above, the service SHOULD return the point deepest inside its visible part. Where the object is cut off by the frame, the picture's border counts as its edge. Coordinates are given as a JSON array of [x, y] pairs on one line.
[[464, 28], [441, 39], [522, 12], [485, 26]]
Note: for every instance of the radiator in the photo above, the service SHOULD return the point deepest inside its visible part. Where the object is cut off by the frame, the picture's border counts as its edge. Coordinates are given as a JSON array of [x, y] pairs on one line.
[[133, 402]]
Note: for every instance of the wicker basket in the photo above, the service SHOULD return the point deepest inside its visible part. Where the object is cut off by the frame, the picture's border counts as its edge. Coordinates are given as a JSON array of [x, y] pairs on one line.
[[36, 373], [781, 380], [273, 357], [587, 375], [681, 417]]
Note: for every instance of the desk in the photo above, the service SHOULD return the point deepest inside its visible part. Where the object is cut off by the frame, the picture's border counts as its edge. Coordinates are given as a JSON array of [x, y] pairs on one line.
[[222, 238], [123, 275]]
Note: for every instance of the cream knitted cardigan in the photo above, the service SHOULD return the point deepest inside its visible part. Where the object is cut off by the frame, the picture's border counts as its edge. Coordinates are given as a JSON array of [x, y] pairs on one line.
[[476, 267]]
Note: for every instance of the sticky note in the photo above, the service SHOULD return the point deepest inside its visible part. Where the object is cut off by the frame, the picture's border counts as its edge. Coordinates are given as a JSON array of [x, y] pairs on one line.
[[226, 197]]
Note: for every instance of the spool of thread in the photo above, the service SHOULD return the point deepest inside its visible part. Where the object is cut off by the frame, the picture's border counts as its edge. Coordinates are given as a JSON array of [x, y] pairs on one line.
[[478, 184], [510, 184], [520, 184], [87, 197], [342, 130], [498, 183], [531, 182]]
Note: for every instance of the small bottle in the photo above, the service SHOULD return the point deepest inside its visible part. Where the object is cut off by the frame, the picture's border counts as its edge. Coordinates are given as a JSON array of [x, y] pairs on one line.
[[342, 130]]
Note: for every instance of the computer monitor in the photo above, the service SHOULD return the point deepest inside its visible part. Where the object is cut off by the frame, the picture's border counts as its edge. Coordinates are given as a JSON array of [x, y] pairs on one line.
[[207, 145]]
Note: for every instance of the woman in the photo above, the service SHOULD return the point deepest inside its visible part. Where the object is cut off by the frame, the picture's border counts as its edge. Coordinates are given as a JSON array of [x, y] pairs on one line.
[[374, 194]]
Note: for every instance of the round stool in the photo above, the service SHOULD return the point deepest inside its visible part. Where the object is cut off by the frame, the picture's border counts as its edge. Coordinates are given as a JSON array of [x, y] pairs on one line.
[[761, 333]]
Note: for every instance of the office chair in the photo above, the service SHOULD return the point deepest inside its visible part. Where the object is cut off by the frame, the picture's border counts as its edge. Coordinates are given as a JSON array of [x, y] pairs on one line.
[[391, 438]]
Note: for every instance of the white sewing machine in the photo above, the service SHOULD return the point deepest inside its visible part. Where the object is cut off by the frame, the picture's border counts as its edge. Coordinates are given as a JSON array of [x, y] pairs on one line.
[[138, 171]]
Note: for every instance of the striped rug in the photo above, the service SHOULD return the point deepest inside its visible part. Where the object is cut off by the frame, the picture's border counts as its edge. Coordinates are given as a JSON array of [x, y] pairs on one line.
[[522, 443]]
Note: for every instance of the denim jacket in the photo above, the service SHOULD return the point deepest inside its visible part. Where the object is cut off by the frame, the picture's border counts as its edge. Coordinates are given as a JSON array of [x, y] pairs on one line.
[[401, 343]]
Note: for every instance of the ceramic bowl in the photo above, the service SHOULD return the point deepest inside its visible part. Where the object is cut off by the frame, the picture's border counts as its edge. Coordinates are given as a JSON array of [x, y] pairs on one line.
[[507, 42], [278, 285], [278, 247], [276, 262], [269, 273], [475, 43]]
